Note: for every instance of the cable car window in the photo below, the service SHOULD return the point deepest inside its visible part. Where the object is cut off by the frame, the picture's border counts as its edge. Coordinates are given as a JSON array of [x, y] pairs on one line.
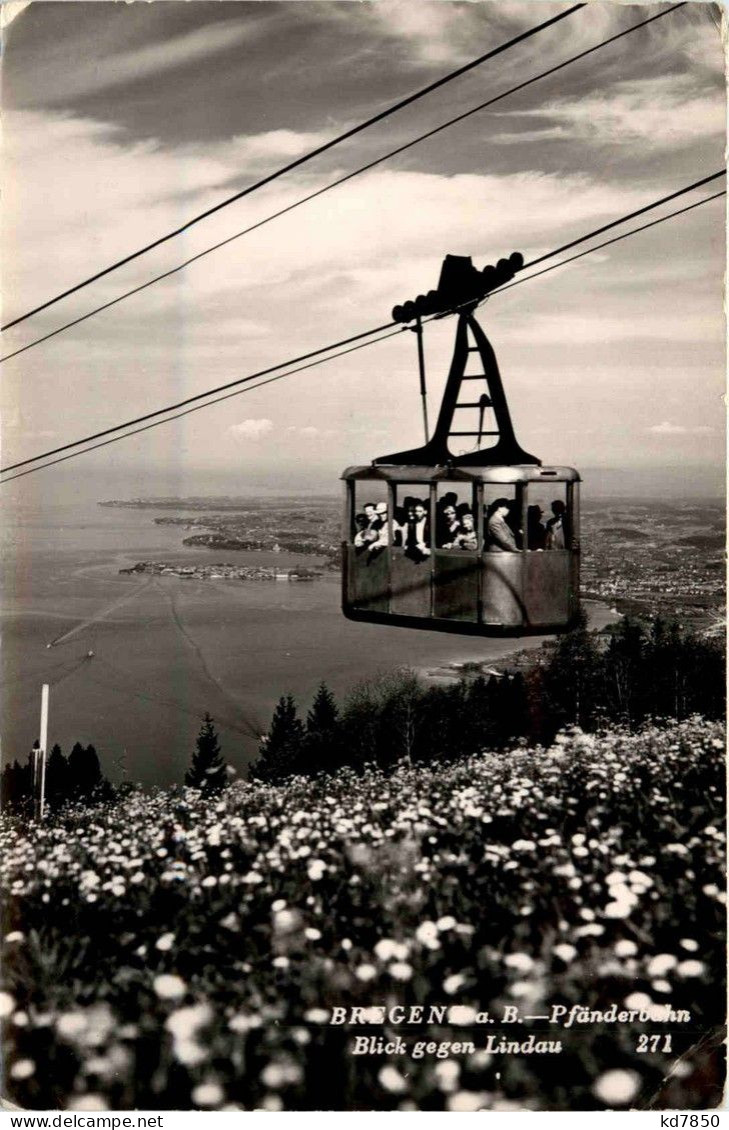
[[411, 520], [549, 521], [369, 528], [456, 524], [503, 517]]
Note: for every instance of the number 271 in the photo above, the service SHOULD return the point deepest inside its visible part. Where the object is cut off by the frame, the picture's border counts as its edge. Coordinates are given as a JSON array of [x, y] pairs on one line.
[[654, 1044]]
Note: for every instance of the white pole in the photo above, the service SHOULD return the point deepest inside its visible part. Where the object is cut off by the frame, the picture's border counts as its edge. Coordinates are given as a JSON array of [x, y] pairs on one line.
[[42, 750]]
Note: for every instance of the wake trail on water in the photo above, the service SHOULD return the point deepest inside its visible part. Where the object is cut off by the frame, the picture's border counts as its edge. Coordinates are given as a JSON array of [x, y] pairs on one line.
[[151, 696], [65, 636], [253, 730]]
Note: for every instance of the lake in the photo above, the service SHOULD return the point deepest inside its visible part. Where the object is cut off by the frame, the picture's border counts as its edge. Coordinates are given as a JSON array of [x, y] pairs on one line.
[[168, 649]]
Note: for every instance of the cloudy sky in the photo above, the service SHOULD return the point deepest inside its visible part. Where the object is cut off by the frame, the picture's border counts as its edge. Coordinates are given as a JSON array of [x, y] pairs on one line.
[[121, 121]]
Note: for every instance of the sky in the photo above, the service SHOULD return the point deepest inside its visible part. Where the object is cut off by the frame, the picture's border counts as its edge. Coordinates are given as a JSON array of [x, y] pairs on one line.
[[121, 121]]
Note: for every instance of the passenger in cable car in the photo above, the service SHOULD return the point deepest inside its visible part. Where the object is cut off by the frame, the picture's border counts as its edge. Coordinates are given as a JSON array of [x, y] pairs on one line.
[[361, 537], [536, 532], [466, 538], [416, 532], [400, 521], [556, 526], [379, 529], [513, 520], [447, 523], [500, 536]]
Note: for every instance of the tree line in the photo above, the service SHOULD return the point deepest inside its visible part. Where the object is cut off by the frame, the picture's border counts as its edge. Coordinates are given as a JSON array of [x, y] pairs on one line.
[[635, 672], [77, 777]]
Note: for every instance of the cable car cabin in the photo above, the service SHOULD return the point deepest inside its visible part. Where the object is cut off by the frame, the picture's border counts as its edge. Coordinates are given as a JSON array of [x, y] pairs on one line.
[[484, 580], [482, 542]]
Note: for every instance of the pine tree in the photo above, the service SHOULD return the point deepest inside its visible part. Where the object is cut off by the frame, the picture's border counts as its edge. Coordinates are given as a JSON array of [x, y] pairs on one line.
[[207, 769], [322, 732], [57, 777], [281, 751], [84, 770], [573, 683], [11, 785]]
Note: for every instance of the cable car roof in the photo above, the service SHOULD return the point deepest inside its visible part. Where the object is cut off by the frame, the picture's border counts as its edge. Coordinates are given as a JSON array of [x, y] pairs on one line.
[[403, 473]]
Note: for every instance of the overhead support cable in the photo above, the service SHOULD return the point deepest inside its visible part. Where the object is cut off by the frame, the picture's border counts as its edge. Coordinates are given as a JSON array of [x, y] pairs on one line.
[[193, 401], [201, 396], [352, 132], [336, 183], [624, 219], [197, 407], [608, 242]]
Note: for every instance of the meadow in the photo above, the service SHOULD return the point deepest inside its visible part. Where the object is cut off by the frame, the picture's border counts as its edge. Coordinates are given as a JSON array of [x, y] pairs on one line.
[[169, 950]]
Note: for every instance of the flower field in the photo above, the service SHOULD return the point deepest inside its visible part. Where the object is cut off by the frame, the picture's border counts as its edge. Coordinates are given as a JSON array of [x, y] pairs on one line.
[[167, 950]]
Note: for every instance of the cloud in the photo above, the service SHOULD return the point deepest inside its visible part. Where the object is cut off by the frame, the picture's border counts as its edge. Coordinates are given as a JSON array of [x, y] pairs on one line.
[[330, 269], [250, 430], [668, 429], [275, 143], [310, 432], [131, 66], [661, 112]]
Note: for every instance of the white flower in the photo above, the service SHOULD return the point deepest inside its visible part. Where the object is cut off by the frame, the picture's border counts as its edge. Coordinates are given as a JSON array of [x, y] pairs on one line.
[[625, 948], [391, 1079], [312, 933], [208, 881], [617, 1087], [189, 1052], [282, 1073], [689, 944], [7, 1004], [447, 922], [243, 1022], [71, 1024], [316, 869], [661, 964], [208, 1094], [88, 1102], [427, 935], [386, 949], [365, 972], [453, 983], [691, 968], [522, 962], [165, 942], [565, 952], [23, 1069], [184, 1022], [169, 986], [446, 1074], [638, 1001], [467, 1100], [286, 921], [401, 971], [317, 1016], [618, 909], [15, 936]]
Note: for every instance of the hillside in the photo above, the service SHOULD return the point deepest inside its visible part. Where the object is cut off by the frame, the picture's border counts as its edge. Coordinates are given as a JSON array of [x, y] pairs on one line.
[[167, 950]]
